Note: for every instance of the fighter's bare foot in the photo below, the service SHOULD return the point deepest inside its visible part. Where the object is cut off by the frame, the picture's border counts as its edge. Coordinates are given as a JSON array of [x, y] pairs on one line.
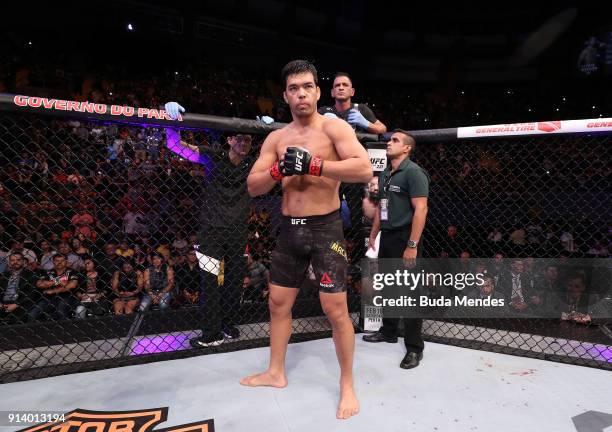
[[265, 379], [349, 405]]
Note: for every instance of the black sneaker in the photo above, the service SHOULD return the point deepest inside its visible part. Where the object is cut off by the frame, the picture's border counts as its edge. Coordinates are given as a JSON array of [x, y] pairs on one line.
[[207, 341], [231, 332], [379, 337]]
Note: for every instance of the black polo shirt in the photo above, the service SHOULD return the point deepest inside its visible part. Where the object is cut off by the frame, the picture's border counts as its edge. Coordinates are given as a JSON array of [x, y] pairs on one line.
[[363, 109], [225, 201], [407, 182]]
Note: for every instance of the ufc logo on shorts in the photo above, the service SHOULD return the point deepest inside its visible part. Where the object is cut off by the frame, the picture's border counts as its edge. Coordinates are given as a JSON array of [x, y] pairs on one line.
[[298, 221]]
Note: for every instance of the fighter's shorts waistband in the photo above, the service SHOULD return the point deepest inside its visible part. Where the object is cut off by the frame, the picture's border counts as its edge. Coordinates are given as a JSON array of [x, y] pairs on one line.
[[311, 220]]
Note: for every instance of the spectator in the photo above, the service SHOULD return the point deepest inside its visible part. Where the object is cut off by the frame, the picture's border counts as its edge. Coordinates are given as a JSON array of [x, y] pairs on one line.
[[90, 293], [189, 276], [598, 250], [42, 167], [122, 144], [158, 284], [464, 265], [534, 234], [74, 261], [127, 285], [567, 241], [134, 222], [57, 287], [574, 305], [83, 223], [495, 236], [108, 263], [164, 250], [26, 229], [50, 217], [140, 148], [517, 237], [141, 259], [479, 267], [46, 259], [124, 250], [180, 245], [371, 199], [498, 269], [79, 249], [107, 221], [17, 290], [17, 246], [176, 260], [453, 241], [486, 290], [516, 287], [548, 286]]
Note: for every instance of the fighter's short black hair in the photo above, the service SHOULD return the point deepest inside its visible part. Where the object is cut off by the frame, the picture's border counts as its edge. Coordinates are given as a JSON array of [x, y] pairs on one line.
[[297, 67]]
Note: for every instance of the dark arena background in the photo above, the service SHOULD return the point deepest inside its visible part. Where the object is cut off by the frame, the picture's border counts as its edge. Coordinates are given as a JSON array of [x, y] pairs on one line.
[[511, 110]]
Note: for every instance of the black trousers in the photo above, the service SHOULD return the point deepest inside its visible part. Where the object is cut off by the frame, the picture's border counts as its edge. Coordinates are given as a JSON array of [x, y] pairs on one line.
[[221, 304], [393, 245], [62, 305]]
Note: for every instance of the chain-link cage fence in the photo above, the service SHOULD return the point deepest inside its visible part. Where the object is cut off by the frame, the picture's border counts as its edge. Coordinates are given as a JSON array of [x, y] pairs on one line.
[[543, 196], [123, 243], [117, 247]]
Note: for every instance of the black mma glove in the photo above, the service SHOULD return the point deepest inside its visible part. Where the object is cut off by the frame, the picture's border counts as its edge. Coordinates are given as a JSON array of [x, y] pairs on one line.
[[299, 161]]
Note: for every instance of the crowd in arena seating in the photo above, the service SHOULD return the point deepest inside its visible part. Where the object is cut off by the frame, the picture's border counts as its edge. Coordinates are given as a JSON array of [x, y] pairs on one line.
[[99, 218]]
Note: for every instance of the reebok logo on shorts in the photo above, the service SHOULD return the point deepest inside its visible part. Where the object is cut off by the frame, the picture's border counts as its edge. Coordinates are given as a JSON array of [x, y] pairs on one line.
[[326, 282]]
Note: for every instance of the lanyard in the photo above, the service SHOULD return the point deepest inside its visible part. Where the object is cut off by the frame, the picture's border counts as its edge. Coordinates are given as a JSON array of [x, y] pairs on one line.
[[387, 184]]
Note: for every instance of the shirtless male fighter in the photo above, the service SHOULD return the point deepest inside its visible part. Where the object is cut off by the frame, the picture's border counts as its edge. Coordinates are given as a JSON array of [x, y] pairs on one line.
[[310, 156]]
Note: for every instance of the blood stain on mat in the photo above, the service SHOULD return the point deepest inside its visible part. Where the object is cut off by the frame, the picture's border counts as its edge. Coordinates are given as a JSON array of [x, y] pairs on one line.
[[524, 372]]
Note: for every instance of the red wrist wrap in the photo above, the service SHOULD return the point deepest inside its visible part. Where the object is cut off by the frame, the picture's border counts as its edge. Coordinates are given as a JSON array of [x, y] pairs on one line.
[[316, 167], [275, 172]]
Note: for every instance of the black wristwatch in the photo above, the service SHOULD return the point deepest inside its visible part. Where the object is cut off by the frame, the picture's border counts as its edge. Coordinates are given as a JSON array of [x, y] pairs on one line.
[[412, 244]]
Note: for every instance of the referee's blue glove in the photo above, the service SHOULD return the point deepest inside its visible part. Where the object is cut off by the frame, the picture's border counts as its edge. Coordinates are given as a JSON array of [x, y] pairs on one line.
[[173, 108], [265, 119], [355, 118]]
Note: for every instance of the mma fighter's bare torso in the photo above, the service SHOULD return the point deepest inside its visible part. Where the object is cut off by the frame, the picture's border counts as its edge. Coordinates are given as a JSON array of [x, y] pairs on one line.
[[308, 195]]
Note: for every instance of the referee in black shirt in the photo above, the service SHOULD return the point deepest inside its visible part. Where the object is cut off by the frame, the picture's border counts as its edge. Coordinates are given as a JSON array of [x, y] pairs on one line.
[[362, 119], [224, 230], [360, 116], [403, 188]]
